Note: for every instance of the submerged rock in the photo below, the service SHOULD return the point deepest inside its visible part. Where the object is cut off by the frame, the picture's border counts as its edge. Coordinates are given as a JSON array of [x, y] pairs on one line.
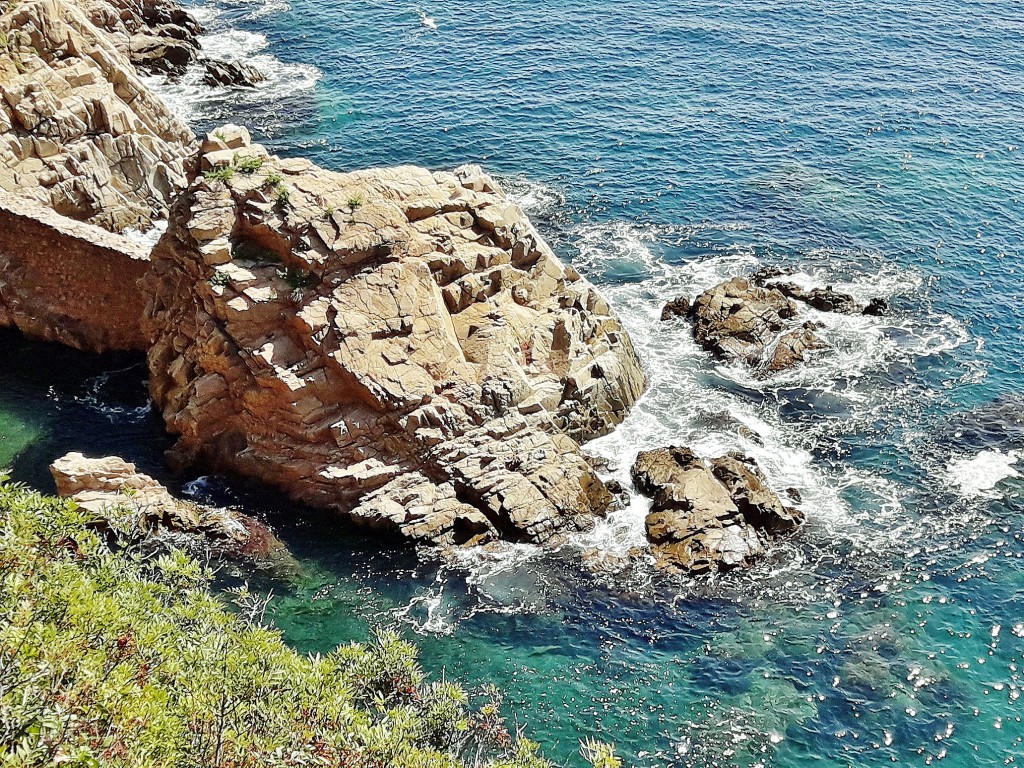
[[138, 507], [709, 515], [398, 345], [231, 73]]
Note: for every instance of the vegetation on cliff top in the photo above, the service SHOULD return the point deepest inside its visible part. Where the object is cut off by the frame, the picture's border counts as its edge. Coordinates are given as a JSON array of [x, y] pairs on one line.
[[107, 658]]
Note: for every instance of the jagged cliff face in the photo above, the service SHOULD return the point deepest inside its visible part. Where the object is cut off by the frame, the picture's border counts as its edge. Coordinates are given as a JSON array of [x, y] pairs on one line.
[[398, 345], [81, 133]]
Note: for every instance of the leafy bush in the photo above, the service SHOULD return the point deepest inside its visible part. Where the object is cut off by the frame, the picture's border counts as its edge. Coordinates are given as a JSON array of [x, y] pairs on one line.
[[220, 279], [296, 278], [225, 174], [107, 658], [249, 164], [273, 179]]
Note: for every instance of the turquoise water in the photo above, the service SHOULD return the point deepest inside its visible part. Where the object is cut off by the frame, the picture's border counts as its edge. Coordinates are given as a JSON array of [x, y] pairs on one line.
[[662, 147]]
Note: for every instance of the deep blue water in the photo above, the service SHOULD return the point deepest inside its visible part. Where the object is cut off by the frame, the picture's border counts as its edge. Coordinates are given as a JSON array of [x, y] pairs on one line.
[[663, 146]]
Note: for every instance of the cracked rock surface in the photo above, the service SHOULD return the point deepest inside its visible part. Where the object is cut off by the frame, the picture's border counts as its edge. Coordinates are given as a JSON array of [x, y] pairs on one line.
[[395, 344], [79, 131], [709, 515]]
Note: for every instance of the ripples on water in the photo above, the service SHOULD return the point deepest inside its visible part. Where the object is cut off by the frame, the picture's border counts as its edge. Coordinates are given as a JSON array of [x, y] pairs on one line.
[[662, 147]]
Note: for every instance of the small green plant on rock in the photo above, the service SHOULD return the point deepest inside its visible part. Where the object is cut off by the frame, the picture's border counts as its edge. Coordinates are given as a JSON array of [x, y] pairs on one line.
[[272, 179], [224, 175], [282, 195], [296, 278], [220, 279], [355, 202], [249, 164]]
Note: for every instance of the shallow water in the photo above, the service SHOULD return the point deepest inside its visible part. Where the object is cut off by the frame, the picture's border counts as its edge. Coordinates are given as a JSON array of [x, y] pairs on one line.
[[662, 147]]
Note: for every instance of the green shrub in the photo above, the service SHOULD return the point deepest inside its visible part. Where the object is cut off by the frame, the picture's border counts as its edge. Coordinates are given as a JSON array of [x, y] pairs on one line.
[[249, 164], [282, 195], [355, 202], [296, 278], [272, 179], [107, 658], [225, 174]]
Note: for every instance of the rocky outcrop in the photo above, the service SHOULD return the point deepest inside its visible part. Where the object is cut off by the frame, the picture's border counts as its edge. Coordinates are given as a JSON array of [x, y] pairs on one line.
[[757, 320], [709, 515], [70, 282], [235, 74], [792, 348], [157, 36], [738, 320], [80, 132], [398, 345], [137, 507]]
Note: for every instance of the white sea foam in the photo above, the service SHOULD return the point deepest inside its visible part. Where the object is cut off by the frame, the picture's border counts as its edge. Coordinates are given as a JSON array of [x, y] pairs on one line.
[[536, 199], [150, 237], [191, 100], [257, 9], [95, 400], [427, 21], [977, 476]]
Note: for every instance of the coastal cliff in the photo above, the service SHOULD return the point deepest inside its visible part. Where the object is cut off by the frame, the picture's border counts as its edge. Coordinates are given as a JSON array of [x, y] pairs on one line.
[[398, 345], [82, 134]]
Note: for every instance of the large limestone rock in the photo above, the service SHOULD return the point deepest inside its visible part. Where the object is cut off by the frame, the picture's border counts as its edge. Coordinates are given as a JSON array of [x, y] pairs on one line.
[[709, 515], [397, 345], [80, 132], [738, 320], [137, 506]]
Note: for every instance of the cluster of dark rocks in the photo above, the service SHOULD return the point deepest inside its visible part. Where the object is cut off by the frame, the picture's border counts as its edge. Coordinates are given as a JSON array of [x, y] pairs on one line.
[[715, 514], [757, 320], [167, 40], [164, 39], [235, 74], [709, 515]]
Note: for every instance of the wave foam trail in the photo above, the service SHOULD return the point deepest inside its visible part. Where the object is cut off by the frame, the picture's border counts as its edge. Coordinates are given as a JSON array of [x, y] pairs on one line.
[[257, 9], [978, 476], [191, 100], [426, 21], [538, 200]]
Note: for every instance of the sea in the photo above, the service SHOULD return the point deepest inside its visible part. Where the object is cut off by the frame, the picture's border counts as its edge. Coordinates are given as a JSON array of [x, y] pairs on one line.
[[662, 147]]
